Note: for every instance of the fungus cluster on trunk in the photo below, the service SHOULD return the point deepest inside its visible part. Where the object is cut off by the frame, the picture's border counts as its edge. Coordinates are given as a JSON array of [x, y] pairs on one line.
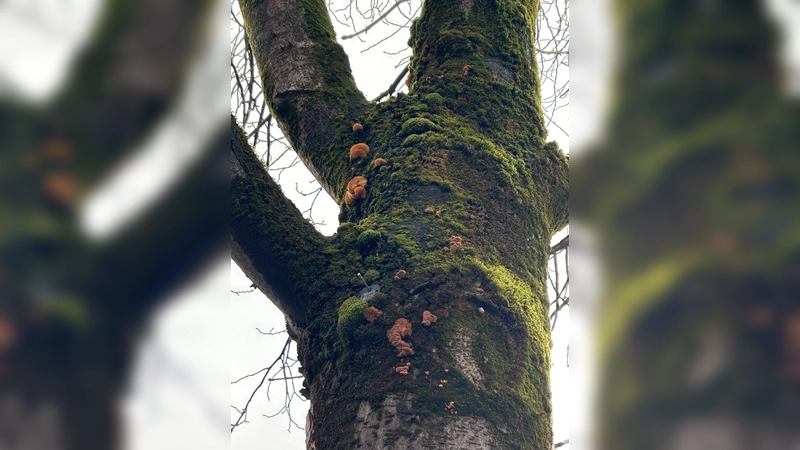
[[400, 329]]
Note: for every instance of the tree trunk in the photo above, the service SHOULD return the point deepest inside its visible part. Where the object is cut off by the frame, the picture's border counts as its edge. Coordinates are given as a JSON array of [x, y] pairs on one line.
[[456, 223], [691, 192]]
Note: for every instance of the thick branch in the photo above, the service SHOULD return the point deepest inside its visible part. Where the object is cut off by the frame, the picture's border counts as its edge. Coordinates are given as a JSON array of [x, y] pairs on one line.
[[127, 79], [307, 81], [270, 240]]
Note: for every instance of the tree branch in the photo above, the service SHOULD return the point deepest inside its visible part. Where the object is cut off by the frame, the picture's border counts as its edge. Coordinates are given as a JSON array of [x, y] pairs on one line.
[[393, 86], [376, 21], [270, 241], [562, 244], [307, 81]]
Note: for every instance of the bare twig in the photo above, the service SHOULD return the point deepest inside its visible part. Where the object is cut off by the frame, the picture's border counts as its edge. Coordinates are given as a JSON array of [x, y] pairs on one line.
[[243, 412], [376, 21], [392, 86]]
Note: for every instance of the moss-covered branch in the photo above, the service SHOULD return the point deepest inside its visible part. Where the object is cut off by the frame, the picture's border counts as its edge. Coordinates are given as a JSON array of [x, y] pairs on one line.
[[270, 240], [307, 81]]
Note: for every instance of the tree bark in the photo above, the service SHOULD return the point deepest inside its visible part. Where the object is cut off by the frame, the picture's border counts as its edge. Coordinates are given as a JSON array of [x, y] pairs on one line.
[[457, 222]]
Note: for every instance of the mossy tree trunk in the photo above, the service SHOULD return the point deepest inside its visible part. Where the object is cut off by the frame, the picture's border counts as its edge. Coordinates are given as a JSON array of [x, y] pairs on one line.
[[465, 205], [694, 193]]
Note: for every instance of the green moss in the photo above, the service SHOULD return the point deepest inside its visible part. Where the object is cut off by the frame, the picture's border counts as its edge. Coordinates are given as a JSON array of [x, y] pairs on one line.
[[417, 125], [369, 239], [433, 99], [351, 315], [371, 275]]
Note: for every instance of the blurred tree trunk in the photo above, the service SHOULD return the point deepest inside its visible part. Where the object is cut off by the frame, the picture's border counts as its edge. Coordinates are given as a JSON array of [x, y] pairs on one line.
[[693, 193], [71, 309], [456, 223]]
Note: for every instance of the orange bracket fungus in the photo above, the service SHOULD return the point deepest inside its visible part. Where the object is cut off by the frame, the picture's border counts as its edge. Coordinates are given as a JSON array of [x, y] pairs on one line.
[[455, 242], [428, 318], [60, 188], [359, 151], [400, 275], [379, 162], [403, 370], [57, 150], [359, 192], [400, 329], [355, 190], [357, 127], [372, 313]]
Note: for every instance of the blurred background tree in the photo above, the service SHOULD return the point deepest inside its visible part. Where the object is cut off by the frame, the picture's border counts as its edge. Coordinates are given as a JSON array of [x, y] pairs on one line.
[[692, 193], [77, 286]]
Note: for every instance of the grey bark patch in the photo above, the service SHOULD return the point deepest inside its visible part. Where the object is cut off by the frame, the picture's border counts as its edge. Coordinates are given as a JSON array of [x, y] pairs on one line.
[[236, 168], [284, 45], [529, 53], [394, 426], [466, 7], [461, 349], [311, 444], [501, 72]]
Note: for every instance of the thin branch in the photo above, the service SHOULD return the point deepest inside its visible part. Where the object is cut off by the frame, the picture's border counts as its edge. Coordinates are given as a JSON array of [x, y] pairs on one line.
[[553, 52], [243, 414], [243, 292], [563, 244], [376, 21], [392, 86], [286, 378]]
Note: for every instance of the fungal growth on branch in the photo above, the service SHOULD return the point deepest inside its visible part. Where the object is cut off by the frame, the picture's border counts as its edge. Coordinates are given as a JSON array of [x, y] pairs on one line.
[[357, 127], [359, 150], [379, 162], [372, 313], [428, 318], [400, 329], [403, 370], [355, 190], [455, 242]]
